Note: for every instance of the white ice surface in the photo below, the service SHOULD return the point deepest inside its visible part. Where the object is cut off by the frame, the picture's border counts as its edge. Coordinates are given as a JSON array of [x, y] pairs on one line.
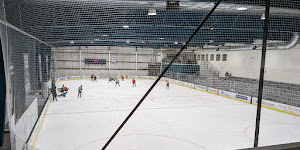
[[178, 118]]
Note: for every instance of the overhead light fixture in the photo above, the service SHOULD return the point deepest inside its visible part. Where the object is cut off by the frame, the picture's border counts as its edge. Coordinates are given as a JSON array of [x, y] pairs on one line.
[[263, 16], [72, 42], [242, 8], [152, 12], [161, 38], [126, 26]]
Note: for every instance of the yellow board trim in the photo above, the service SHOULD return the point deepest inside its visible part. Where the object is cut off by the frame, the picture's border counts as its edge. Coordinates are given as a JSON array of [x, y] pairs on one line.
[[41, 125], [240, 100], [37, 135]]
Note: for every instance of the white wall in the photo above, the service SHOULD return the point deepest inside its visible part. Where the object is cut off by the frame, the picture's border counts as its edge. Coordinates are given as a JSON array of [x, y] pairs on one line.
[[281, 65], [67, 60]]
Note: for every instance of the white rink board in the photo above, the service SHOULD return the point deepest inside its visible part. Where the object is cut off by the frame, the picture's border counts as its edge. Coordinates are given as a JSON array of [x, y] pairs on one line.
[[176, 118]]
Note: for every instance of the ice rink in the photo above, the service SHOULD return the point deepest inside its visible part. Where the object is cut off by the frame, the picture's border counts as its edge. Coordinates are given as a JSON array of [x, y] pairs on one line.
[[178, 118]]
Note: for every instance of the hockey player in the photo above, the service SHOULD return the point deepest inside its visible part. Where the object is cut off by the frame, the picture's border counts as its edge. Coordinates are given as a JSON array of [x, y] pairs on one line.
[[53, 84], [62, 89], [92, 77], [117, 82], [110, 79], [66, 89], [122, 77], [133, 83], [54, 94], [80, 91], [95, 78], [64, 94], [167, 84]]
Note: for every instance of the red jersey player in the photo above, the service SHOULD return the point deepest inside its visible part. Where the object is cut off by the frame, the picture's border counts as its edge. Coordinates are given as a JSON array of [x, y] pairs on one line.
[[133, 83], [92, 77]]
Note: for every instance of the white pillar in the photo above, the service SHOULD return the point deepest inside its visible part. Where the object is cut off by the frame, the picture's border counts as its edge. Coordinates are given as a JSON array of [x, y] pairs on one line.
[[136, 60], [80, 61], [109, 59], [161, 63], [234, 86]]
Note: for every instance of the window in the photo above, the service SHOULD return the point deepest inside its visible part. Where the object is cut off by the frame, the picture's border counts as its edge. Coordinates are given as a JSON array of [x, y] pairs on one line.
[[218, 56], [212, 57], [202, 57], [198, 57], [206, 57], [224, 57]]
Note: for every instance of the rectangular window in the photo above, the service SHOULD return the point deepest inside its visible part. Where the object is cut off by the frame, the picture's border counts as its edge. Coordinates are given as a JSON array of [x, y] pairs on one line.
[[224, 57], [198, 57], [206, 57], [202, 57], [218, 56], [212, 57]]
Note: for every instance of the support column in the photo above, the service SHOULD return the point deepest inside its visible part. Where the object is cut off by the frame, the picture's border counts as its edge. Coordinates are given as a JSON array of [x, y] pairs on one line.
[[161, 61], [136, 60], [2, 97], [80, 61], [109, 60]]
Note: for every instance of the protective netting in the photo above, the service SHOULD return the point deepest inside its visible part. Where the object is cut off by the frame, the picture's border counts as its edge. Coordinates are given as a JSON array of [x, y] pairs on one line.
[[45, 41]]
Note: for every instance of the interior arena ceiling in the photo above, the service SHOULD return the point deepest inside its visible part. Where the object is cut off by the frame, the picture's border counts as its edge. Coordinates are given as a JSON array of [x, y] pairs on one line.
[[104, 22]]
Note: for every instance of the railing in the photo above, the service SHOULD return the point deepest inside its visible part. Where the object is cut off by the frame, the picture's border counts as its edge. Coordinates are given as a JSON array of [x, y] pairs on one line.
[[250, 86], [274, 91], [210, 67]]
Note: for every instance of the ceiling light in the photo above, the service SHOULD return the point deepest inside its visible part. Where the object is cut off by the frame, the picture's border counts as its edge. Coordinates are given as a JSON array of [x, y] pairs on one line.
[[242, 8], [161, 38], [126, 26], [152, 12], [71, 42], [263, 16]]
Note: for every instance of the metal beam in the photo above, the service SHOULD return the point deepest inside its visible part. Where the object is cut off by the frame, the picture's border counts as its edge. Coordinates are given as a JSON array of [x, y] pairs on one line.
[[23, 32]]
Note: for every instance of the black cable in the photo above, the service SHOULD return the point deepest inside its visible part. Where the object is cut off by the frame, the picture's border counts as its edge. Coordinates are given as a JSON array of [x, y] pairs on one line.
[[160, 76], [262, 72]]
